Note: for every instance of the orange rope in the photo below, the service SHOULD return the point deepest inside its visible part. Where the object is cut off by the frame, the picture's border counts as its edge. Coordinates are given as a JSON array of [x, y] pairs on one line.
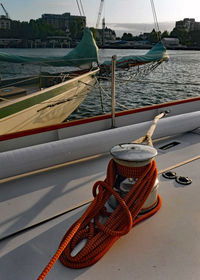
[[101, 236]]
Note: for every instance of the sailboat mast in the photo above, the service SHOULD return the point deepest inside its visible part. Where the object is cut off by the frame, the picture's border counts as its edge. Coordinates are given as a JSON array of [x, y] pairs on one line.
[[155, 20], [99, 13], [103, 32]]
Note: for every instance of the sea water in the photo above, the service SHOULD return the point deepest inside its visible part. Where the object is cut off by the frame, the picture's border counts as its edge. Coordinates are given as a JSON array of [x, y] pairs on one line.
[[179, 78]]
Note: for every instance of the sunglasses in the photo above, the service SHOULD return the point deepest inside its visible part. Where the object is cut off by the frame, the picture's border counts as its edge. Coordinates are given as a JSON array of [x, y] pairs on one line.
[[179, 179]]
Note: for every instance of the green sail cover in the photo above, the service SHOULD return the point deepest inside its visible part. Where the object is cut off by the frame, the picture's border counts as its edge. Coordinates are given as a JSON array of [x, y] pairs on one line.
[[85, 52], [157, 53]]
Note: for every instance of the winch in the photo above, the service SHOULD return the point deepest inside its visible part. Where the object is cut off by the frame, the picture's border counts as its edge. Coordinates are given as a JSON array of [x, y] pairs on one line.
[[133, 155]]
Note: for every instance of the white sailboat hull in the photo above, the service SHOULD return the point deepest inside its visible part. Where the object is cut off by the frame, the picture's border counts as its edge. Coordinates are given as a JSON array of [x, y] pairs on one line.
[[67, 96]]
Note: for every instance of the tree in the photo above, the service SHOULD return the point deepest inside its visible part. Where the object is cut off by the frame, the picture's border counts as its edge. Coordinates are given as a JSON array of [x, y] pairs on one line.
[[195, 37], [34, 29], [182, 35], [127, 37], [76, 28], [165, 34], [154, 36]]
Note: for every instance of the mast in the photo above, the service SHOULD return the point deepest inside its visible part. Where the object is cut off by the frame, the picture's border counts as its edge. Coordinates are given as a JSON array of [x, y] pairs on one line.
[[103, 32], [99, 14]]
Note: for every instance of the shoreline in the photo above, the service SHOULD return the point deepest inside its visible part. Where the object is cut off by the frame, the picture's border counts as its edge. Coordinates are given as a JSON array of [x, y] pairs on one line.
[[192, 48], [149, 47]]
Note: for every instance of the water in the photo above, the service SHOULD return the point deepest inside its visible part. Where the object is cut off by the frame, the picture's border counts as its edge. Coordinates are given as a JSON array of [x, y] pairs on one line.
[[179, 78]]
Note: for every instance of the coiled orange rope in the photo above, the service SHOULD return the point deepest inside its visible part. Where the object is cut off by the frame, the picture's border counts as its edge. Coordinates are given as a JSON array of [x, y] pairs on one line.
[[101, 236]]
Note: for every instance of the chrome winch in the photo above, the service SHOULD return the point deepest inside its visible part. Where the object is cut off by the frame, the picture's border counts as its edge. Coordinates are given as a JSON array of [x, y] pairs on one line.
[[133, 155]]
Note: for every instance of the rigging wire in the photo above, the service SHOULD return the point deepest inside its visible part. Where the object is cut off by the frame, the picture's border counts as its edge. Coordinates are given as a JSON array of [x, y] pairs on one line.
[[79, 7], [100, 94], [155, 20], [108, 96]]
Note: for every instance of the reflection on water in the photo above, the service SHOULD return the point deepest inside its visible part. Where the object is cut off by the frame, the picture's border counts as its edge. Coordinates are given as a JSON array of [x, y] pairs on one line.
[[179, 78]]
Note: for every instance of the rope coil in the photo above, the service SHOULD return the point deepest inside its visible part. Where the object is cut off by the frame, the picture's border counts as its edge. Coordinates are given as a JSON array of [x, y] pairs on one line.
[[100, 235]]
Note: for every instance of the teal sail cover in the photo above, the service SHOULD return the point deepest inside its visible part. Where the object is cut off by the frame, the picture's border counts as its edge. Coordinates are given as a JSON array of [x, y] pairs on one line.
[[157, 53], [85, 52]]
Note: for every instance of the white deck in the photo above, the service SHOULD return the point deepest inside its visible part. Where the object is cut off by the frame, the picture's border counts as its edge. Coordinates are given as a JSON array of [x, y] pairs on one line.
[[166, 246]]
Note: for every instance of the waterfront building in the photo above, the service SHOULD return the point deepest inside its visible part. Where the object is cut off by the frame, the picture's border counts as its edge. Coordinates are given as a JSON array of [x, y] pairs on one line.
[[74, 19], [5, 23], [58, 41], [188, 24], [170, 42], [63, 21], [109, 34], [196, 26], [10, 42], [60, 21]]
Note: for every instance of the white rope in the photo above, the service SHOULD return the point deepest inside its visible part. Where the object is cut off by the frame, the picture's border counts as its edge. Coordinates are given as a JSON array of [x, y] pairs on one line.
[[148, 137]]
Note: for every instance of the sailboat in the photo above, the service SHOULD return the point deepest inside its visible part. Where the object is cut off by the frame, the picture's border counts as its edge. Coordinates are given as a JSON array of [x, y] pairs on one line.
[[149, 61], [49, 211], [22, 106], [152, 59]]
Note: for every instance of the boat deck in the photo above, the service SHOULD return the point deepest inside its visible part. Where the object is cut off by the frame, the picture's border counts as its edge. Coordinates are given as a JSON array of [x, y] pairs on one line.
[[39, 208]]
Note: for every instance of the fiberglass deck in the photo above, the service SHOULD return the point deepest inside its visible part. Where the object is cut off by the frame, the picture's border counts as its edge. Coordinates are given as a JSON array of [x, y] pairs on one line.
[[166, 246]]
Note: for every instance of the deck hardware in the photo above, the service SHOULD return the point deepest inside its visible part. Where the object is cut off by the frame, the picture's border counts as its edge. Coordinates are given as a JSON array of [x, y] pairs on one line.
[[166, 112], [169, 175], [133, 155], [183, 180], [169, 145]]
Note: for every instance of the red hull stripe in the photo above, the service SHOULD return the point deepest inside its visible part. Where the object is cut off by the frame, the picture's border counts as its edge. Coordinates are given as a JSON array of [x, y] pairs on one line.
[[93, 119]]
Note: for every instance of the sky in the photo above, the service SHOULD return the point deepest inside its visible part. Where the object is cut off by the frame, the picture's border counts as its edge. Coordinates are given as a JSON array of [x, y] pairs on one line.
[[132, 16]]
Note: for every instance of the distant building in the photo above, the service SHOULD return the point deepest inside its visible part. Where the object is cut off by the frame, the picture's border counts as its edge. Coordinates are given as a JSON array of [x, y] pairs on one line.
[[170, 42], [74, 19], [109, 34], [188, 24], [58, 41], [7, 42], [60, 21], [63, 21], [5, 23], [196, 26]]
